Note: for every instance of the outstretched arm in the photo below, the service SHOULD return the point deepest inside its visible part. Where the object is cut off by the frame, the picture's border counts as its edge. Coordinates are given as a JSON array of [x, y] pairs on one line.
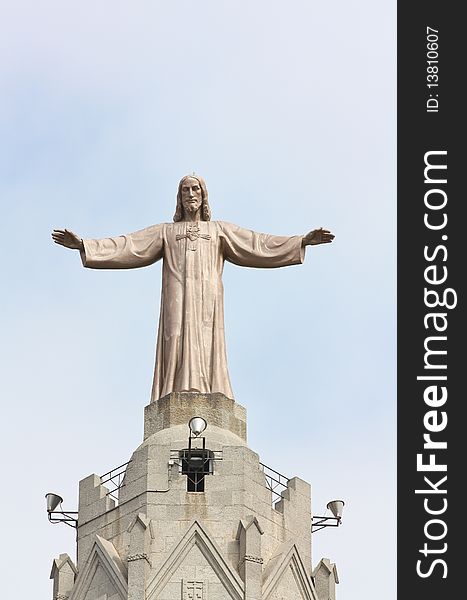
[[251, 249], [130, 251], [248, 248], [318, 236]]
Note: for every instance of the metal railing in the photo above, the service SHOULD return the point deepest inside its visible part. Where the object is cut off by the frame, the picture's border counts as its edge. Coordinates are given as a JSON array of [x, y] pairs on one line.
[[114, 479], [275, 481]]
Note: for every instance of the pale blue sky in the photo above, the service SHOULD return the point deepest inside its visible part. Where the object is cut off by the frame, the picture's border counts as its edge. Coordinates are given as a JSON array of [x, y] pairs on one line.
[[288, 111]]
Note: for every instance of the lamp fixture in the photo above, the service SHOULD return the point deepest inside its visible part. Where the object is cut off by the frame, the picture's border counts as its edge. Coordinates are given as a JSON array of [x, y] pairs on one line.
[[197, 425], [336, 507], [196, 460], [53, 500], [60, 516]]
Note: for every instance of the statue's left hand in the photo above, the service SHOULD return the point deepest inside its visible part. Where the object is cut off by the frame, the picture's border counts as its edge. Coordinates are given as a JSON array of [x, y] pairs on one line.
[[318, 236]]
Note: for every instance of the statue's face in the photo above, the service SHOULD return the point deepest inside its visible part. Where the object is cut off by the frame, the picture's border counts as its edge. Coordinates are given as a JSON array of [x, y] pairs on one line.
[[191, 195]]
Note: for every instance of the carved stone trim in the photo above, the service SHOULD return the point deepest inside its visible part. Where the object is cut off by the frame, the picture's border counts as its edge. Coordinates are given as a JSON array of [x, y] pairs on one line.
[[138, 556], [193, 590], [250, 558]]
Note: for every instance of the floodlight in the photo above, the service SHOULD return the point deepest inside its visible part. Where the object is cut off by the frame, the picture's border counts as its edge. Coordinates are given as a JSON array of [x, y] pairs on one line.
[[53, 500], [336, 507], [197, 425]]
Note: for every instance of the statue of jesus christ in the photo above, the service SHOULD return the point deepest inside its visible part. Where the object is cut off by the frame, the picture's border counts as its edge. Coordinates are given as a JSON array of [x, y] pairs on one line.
[[191, 354]]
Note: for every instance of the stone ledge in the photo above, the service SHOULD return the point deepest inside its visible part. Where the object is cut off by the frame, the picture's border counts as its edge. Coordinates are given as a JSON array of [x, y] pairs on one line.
[[177, 408]]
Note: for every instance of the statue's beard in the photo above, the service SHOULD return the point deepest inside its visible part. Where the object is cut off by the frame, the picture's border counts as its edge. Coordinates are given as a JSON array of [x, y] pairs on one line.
[[191, 207]]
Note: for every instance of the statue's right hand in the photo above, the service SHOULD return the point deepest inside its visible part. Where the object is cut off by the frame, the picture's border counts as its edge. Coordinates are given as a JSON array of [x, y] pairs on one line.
[[67, 238]]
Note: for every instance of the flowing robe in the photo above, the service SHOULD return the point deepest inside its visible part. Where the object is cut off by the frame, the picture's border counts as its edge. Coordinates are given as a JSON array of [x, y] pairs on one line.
[[191, 352]]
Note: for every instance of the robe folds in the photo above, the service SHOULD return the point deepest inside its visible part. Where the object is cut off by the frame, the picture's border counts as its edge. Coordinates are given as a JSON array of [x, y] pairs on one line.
[[191, 353]]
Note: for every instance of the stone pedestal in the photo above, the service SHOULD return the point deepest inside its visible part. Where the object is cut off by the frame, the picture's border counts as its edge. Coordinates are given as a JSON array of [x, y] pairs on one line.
[[178, 408], [163, 542]]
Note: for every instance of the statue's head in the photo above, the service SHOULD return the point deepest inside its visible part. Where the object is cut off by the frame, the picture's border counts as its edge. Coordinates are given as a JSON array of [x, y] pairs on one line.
[[192, 194]]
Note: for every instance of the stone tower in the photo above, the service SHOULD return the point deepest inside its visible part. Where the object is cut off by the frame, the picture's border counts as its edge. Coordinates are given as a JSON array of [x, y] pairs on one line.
[[193, 519]]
